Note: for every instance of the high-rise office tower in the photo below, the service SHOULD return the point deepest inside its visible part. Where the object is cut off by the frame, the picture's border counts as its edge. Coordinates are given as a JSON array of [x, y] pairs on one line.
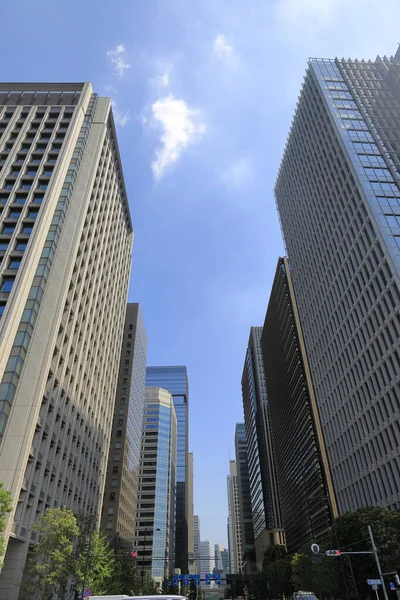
[[120, 493], [234, 529], [191, 557], [217, 557], [246, 516], [267, 519], [196, 542], [225, 560], [338, 196], [154, 536], [175, 380], [304, 481], [65, 247], [207, 560]]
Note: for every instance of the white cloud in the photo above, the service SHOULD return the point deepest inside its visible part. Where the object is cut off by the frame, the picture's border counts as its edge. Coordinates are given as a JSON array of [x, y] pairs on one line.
[[118, 59], [181, 126], [222, 49], [239, 174], [121, 118], [163, 80]]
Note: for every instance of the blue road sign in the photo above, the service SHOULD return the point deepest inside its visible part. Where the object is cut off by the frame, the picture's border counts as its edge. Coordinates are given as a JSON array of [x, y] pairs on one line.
[[88, 593], [195, 578], [392, 585], [374, 582]]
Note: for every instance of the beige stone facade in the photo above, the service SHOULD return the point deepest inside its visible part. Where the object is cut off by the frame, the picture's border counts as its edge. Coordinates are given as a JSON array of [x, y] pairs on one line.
[[65, 240]]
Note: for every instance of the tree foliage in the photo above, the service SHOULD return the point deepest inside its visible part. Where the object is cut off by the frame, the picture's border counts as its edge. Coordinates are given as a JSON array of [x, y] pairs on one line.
[[322, 578], [51, 561], [351, 531], [276, 572], [5, 507]]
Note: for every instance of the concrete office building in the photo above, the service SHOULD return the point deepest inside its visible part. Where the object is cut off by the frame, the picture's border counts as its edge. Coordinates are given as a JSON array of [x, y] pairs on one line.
[[65, 247], [246, 516], [196, 542], [267, 518], [120, 494], [305, 488], [207, 561], [234, 529], [338, 196], [154, 536], [191, 555], [175, 380]]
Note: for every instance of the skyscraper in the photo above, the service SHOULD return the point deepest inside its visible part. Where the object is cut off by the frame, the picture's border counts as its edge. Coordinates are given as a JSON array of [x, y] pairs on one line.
[[207, 560], [155, 516], [65, 244], [191, 557], [246, 517], [305, 488], [338, 196], [234, 529], [267, 519], [175, 380], [120, 494], [196, 542]]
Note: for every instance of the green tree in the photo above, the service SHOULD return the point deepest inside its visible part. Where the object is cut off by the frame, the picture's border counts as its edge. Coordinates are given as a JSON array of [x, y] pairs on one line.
[[94, 559], [351, 530], [321, 578], [5, 507], [276, 575], [125, 578], [51, 561]]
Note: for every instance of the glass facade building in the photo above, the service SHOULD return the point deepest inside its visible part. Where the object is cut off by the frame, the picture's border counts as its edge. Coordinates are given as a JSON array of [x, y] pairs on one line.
[[338, 195], [304, 483], [65, 258], [155, 515], [246, 516], [175, 380], [267, 519], [121, 489]]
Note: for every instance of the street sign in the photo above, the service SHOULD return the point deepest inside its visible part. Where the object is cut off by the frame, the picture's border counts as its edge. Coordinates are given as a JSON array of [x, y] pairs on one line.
[[392, 586], [195, 578], [374, 582], [88, 593], [314, 548]]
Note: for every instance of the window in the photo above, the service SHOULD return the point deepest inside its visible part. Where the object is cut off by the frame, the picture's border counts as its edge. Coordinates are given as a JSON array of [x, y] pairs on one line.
[[14, 213], [117, 445], [48, 172], [6, 285], [8, 229], [26, 186], [38, 198], [42, 185], [20, 199], [2, 307], [14, 263], [110, 510], [3, 199], [32, 214], [112, 496], [3, 246], [31, 171], [119, 433], [36, 158], [27, 229], [115, 469], [21, 246]]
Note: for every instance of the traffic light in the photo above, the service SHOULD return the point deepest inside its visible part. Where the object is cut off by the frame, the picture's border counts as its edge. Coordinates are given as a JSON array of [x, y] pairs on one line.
[[131, 554], [397, 579], [332, 553]]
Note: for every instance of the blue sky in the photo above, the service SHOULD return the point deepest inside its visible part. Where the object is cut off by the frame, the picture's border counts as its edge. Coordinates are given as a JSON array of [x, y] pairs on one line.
[[204, 93]]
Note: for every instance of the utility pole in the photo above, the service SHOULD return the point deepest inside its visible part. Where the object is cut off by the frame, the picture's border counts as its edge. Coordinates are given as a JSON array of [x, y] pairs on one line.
[[144, 548], [375, 552]]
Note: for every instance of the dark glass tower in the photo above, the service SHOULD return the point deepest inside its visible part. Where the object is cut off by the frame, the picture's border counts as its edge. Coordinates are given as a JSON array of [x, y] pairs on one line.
[[338, 194], [305, 488], [175, 381], [267, 519]]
